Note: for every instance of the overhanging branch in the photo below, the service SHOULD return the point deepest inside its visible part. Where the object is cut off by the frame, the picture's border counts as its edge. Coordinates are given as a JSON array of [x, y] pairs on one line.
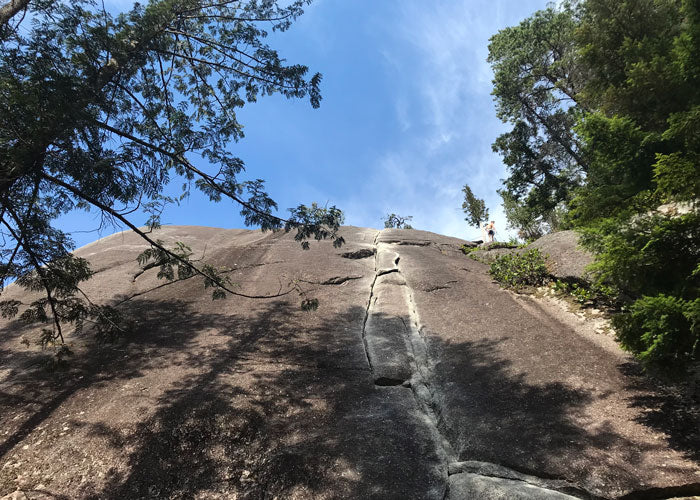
[[145, 236], [207, 178]]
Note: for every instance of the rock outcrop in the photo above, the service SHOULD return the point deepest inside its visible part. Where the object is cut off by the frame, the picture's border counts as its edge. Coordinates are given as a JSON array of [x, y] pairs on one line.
[[565, 258], [416, 377]]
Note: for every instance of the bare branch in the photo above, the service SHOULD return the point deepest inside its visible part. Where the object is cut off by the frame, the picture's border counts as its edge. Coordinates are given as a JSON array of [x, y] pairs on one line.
[[10, 9], [183, 161], [227, 67]]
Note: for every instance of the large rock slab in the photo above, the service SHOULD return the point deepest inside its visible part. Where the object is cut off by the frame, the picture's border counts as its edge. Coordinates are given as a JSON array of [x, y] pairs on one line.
[[386, 333], [517, 387], [566, 258], [416, 377], [244, 397], [468, 485]]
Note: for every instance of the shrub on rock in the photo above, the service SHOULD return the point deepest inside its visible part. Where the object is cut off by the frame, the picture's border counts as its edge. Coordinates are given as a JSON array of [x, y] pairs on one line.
[[520, 270], [662, 329]]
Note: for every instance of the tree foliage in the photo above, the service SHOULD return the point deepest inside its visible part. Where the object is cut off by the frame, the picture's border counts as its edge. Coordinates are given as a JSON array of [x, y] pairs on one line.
[[522, 218], [101, 112], [474, 208], [604, 100], [536, 87], [397, 221], [518, 270]]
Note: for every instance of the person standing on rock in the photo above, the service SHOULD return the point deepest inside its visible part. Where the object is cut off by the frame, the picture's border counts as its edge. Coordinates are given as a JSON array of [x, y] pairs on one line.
[[490, 231]]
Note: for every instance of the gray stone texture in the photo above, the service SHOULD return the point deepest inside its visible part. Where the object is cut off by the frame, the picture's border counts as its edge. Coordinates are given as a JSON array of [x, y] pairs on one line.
[[565, 258], [255, 398], [467, 485]]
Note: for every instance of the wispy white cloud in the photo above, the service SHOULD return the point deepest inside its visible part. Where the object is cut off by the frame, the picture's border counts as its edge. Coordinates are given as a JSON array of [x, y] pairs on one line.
[[407, 117], [437, 56]]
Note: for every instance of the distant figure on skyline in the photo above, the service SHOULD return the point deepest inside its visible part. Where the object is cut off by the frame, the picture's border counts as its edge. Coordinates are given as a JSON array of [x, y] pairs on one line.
[[490, 230]]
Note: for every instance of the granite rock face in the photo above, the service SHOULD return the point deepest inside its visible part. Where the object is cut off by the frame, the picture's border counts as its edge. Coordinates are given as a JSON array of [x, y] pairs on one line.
[[416, 377], [565, 258]]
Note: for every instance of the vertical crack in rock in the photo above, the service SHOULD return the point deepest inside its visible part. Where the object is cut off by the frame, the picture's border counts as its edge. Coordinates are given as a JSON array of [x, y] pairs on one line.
[[369, 304], [429, 405], [417, 365], [420, 381], [384, 361]]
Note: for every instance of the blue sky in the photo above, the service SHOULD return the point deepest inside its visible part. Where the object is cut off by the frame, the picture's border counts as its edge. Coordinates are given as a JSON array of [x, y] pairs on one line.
[[406, 119]]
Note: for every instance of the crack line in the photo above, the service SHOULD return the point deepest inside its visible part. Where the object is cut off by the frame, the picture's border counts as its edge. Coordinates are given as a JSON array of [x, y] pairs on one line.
[[369, 305]]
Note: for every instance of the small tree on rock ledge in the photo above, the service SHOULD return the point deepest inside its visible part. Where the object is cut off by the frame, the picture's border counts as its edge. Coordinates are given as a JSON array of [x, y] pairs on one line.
[[474, 208], [397, 221]]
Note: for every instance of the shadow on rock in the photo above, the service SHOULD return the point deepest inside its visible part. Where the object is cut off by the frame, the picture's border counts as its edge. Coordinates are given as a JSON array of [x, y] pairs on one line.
[[492, 413], [271, 408], [665, 409]]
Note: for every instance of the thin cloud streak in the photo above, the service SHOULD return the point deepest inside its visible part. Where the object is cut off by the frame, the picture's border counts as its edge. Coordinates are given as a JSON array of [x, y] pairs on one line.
[[438, 54]]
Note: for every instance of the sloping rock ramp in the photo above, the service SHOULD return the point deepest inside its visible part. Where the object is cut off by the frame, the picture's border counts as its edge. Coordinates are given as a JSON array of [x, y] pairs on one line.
[[416, 377]]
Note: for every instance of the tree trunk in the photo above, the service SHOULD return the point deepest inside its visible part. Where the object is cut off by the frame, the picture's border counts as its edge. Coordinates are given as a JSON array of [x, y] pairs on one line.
[[10, 9]]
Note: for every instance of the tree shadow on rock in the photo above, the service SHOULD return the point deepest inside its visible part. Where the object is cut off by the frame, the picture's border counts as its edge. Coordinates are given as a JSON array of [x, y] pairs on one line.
[[492, 413], [281, 408], [665, 409]]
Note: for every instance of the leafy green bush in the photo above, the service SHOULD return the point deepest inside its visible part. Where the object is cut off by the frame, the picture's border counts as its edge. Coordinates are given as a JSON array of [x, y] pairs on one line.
[[587, 292], [500, 244], [519, 270], [648, 254], [662, 329], [466, 250], [653, 259]]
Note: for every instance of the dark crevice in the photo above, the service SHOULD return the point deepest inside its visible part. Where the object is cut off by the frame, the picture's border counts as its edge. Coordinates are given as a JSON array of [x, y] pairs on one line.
[[446, 494], [440, 287], [339, 280], [416, 243], [685, 490], [359, 254], [364, 324], [408, 243], [388, 382], [257, 264], [382, 272], [369, 299]]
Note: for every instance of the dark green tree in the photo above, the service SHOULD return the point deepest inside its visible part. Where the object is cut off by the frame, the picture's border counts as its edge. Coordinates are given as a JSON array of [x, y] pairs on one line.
[[100, 112], [521, 218], [397, 221], [537, 81], [604, 97], [638, 209], [474, 208]]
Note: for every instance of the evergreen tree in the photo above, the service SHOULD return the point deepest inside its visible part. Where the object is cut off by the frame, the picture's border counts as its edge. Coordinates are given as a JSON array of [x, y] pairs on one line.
[[474, 208], [537, 82], [101, 112], [604, 96], [397, 221]]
